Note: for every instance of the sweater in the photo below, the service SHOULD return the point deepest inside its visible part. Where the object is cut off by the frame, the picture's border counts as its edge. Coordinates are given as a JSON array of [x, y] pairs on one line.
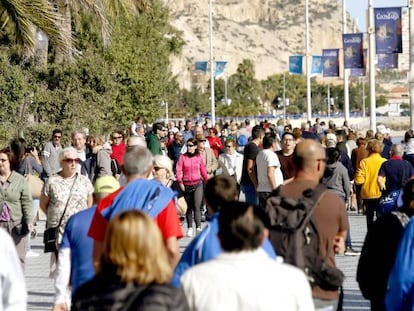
[[18, 198], [367, 176], [191, 170]]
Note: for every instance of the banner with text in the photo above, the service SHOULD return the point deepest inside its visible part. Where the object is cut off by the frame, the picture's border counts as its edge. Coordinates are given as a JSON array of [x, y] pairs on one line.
[[360, 72], [295, 64], [387, 61], [388, 30], [317, 66], [330, 62], [353, 54]]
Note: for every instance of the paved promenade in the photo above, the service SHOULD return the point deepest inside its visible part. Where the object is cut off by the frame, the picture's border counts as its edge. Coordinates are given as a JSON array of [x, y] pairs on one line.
[[40, 287]]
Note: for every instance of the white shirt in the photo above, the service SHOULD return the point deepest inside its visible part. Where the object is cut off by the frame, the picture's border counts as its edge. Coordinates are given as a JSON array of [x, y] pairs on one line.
[[265, 159], [246, 281], [12, 284], [231, 164]]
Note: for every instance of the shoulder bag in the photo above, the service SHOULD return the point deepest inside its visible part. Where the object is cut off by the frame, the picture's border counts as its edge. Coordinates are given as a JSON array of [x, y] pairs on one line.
[[35, 183], [50, 236]]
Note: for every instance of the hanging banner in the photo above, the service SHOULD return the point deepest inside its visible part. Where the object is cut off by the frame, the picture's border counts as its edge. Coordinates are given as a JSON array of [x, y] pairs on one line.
[[220, 66], [317, 66], [201, 66], [353, 54], [330, 62], [387, 61], [388, 30], [360, 72], [295, 64]]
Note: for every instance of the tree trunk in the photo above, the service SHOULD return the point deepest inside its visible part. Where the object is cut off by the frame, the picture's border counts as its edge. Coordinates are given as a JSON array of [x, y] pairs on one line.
[[64, 9]]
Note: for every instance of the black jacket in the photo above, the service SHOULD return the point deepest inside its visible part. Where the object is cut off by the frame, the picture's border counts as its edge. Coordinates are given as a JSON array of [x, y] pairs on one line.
[[99, 294]]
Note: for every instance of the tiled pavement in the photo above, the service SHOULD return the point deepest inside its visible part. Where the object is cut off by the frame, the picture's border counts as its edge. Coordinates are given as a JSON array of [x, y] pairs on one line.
[[40, 287]]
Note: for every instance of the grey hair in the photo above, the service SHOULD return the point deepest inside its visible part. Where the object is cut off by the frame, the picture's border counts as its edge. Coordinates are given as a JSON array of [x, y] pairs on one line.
[[396, 150], [137, 161], [65, 151], [78, 132]]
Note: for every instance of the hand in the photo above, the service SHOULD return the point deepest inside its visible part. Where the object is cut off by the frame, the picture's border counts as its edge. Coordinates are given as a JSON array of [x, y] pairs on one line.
[[339, 245], [30, 227], [59, 307], [34, 153], [182, 187]]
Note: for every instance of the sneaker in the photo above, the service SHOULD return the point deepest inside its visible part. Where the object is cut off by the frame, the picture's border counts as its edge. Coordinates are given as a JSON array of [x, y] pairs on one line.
[[32, 254], [198, 230], [351, 252], [190, 232]]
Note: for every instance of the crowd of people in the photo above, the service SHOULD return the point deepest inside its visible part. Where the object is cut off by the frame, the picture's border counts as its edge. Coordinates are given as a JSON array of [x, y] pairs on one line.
[[120, 203]]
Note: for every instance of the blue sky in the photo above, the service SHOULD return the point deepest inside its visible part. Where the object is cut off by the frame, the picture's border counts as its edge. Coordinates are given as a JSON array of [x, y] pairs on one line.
[[357, 8]]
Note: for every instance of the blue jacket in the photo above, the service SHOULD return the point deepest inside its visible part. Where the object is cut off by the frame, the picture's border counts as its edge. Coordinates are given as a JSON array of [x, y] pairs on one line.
[[400, 291], [204, 247]]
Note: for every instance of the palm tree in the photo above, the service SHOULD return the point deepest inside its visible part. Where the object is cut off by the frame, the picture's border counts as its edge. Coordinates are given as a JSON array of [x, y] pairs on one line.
[[101, 10], [22, 18]]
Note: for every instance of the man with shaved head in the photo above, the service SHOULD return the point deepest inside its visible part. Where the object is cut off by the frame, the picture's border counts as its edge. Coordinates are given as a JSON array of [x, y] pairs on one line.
[[330, 211]]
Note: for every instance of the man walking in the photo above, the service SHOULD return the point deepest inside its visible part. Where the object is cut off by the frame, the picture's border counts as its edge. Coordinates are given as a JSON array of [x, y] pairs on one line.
[[330, 212], [50, 154]]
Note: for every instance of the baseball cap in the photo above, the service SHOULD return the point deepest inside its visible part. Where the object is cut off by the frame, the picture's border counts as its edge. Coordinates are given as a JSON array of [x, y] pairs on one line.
[[106, 184]]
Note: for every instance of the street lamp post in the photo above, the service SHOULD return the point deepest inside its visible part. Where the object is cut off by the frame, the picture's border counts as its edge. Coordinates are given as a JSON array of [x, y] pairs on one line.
[[346, 71], [371, 33], [411, 74], [212, 95], [308, 79]]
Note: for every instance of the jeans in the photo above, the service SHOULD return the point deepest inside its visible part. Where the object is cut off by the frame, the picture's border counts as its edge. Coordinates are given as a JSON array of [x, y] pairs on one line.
[[249, 194], [194, 199]]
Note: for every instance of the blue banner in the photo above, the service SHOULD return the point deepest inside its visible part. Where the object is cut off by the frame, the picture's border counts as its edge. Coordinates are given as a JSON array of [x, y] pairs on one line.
[[220, 66], [360, 72], [295, 64], [388, 30], [353, 55], [387, 61], [330, 62], [201, 66], [317, 66]]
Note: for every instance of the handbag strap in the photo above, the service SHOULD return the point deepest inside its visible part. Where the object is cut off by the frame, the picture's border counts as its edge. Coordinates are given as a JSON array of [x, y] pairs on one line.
[[67, 202]]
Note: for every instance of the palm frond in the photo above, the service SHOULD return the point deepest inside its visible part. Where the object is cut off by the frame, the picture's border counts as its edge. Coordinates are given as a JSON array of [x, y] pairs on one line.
[[96, 8], [26, 15]]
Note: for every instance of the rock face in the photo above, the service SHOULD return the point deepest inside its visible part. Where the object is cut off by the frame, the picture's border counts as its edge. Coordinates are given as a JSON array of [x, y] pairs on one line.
[[265, 31]]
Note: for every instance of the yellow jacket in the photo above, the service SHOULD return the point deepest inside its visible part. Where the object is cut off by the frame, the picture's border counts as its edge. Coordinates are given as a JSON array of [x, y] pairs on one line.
[[367, 176]]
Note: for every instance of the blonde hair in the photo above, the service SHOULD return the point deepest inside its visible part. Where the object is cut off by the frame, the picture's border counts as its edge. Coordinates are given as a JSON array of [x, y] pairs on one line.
[[374, 146], [165, 162], [134, 250]]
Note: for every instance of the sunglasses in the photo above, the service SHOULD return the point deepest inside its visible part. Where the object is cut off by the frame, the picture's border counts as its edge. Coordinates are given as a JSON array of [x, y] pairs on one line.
[[57, 136], [116, 137], [228, 146], [69, 160], [190, 145], [157, 168]]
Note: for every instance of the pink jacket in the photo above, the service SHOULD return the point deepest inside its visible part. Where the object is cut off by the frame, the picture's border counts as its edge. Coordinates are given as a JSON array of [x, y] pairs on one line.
[[191, 170]]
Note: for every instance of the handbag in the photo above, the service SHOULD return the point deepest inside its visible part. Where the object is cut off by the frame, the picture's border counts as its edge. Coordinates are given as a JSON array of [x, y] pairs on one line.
[[35, 183], [391, 201], [51, 235], [21, 229]]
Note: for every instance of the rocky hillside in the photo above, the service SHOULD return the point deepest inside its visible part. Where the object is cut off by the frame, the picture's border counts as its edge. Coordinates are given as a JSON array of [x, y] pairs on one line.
[[265, 31]]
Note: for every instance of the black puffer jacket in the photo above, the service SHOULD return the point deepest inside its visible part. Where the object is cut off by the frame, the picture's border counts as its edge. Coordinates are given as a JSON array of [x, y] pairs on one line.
[[99, 294]]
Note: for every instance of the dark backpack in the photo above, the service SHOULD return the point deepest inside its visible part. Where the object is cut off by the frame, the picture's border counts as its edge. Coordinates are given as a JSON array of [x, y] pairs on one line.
[[294, 236], [378, 254], [115, 168]]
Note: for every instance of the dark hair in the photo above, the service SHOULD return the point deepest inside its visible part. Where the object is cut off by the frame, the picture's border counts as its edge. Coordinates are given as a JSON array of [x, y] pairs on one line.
[[195, 142], [287, 133], [214, 130], [268, 140], [57, 131], [361, 141], [219, 190], [241, 226], [408, 135], [18, 149], [257, 131], [157, 127], [332, 155]]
